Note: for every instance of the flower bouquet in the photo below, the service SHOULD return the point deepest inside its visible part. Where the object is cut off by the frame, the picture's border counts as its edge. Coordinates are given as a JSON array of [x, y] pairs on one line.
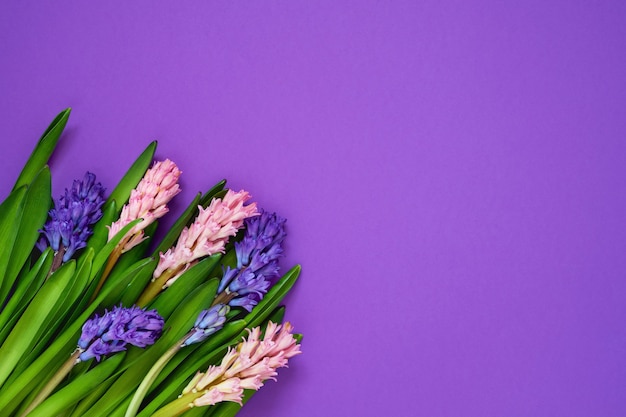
[[101, 317]]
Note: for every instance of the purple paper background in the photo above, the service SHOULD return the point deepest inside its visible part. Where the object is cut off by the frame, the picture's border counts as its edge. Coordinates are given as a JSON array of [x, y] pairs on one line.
[[452, 171]]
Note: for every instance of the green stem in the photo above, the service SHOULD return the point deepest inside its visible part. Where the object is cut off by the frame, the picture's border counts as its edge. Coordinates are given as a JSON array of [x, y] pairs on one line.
[[53, 382], [151, 376], [115, 255], [178, 406], [155, 287]]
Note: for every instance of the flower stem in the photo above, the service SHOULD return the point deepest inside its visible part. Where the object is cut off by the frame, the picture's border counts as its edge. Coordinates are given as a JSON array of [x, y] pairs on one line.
[[115, 255], [155, 287], [223, 298], [58, 260], [53, 382], [178, 406], [150, 377]]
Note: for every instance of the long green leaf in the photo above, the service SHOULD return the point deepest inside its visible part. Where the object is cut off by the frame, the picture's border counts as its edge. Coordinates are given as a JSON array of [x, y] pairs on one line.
[[121, 193], [43, 150], [183, 220], [100, 232], [25, 290], [56, 320], [85, 404], [103, 255], [141, 271], [78, 388], [34, 213], [22, 337], [273, 297], [10, 213]]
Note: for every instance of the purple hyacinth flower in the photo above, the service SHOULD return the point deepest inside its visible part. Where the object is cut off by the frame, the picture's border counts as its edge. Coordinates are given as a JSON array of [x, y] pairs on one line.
[[111, 332], [257, 260], [208, 322], [264, 235], [73, 215]]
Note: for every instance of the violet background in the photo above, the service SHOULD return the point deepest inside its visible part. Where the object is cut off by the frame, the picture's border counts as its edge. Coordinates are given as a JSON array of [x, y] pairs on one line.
[[453, 173]]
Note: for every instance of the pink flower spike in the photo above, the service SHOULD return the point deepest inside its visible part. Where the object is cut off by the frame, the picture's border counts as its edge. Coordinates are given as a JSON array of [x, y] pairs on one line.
[[148, 201], [246, 367], [208, 234]]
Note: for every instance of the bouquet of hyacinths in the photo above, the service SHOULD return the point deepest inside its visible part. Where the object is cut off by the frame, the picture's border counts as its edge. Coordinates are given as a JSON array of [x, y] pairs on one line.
[[99, 319]]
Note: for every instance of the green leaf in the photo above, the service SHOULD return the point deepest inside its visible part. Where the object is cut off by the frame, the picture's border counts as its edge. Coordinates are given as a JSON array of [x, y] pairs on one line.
[[103, 255], [43, 150], [273, 297], [78, 388], [100, 231], [216, 192], [34, 213], [92, 397], [141, 271], [172, 235], [24, 293], [10, 213], [22, 338], [56, 320], [121, 193]]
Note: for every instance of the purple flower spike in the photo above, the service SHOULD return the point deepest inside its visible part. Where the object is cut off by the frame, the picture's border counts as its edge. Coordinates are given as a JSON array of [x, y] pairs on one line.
[[71, 218], [257, 260], [264, 235], [208, 322], [112, 331]]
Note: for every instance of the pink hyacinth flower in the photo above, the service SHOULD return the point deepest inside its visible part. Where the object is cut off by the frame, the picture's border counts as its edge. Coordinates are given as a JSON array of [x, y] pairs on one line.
[[246, 367], [208, 234], [148, 201]]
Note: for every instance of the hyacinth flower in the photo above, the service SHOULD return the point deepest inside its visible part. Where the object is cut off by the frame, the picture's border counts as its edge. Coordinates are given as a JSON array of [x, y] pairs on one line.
[[252, 362], [148, 201], [206, 236], [257, 262], [104, 335], [208, 322], [71, 219]]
